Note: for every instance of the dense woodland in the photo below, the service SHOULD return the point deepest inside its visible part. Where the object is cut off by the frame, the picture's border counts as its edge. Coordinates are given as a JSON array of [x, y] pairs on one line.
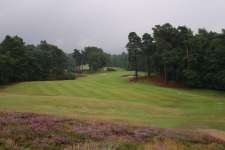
[[21, 62], [177, 54]]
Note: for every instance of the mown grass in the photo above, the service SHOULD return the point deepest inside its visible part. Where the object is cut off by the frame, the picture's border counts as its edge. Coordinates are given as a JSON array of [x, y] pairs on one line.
[[111, 97]]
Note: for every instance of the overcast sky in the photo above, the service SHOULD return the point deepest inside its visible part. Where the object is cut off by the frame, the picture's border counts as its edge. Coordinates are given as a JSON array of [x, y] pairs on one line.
[[104, 23]]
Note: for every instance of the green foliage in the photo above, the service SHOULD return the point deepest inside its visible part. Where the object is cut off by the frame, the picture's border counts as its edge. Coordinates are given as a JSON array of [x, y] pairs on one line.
[[148, 49], [79, 59], [176, 54], [120, 61], [110, 69], [96, 58], [134, 49], [20, 62], [13, 59]]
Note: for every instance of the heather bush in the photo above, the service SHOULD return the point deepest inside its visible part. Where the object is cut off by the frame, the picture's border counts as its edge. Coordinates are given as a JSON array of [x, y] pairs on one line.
[[32, 131]]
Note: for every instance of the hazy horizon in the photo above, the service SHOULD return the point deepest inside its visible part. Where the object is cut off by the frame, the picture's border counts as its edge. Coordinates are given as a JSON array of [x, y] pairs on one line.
[[75, 24]]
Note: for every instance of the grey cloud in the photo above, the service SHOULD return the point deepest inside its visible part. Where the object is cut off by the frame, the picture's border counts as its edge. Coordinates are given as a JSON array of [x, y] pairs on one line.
[[104, 23]]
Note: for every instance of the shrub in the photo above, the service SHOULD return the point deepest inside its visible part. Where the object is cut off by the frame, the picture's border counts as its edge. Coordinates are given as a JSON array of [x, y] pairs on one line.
[[110, 69], [64, 76]]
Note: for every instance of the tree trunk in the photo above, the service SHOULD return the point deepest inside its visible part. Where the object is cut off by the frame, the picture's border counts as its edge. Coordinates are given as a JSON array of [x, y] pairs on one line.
[[165, 73], [136, 64], [75, 66], [136, 74], [161, 72], [176, 79], [149, 67]]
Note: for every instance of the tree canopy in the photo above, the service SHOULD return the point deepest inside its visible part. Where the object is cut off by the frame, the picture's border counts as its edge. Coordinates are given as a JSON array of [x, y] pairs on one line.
[[21, 62], [96, 58], [177, 54]]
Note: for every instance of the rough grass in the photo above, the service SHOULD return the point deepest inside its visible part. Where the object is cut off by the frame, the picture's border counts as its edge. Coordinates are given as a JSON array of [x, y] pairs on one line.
[[110, 96]]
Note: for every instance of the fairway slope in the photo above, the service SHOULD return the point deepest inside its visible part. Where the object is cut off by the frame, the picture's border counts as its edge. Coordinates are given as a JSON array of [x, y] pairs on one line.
[[111, 97]]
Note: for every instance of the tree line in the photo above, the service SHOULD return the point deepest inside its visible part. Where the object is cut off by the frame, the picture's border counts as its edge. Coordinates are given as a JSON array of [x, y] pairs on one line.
[[119, 60], [22, 62], [95, 57], [178, 54]]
